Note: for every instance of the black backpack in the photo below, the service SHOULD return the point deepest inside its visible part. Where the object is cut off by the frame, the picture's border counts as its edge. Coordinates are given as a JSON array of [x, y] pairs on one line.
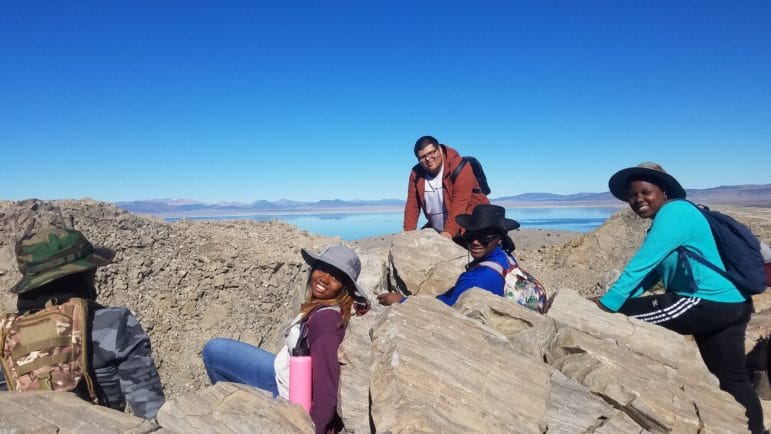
[[739, 250], [479, 173]]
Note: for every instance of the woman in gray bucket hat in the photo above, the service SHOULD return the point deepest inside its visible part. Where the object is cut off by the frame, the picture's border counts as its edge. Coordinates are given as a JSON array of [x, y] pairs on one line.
[[698, 301], [332, 296]]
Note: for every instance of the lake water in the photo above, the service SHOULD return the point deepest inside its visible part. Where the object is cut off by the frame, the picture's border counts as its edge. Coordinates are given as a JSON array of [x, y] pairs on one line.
[[351, 226]]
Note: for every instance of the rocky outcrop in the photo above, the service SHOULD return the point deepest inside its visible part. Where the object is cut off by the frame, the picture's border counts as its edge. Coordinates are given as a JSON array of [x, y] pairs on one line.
[[485, 365], [233, 408], [590, 263], [574, 370], [187, 282], [422, 262], [56, 412]]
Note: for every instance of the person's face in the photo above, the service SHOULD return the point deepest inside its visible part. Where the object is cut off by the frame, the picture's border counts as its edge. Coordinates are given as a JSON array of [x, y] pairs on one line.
[[326, 281], [431, 158], [645, 198], [481, 243]]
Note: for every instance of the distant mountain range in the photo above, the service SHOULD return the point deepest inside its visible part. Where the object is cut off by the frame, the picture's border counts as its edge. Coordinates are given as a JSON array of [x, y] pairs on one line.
[[740, 195]]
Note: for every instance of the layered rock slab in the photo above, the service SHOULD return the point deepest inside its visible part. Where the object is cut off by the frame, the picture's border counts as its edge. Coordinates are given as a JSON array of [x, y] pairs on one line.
[[233, 408], [655, 376], [434, 370], [59, 412], [423, 262]]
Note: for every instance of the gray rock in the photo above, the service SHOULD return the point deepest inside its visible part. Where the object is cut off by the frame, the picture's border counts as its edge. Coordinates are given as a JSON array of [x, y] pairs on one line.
[[422, 262], [528, 330], [653, 375], [434, 370], [60, 412], [233, 408]]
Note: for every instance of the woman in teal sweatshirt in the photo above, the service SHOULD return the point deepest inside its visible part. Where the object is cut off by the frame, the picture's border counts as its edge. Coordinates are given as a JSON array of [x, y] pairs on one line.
[[712, 310]]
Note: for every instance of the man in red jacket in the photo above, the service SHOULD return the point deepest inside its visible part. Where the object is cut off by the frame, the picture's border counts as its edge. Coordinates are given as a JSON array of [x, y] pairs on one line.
[[431, 188]]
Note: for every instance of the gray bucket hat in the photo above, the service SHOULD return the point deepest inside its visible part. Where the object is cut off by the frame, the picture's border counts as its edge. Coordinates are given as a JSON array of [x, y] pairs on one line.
[[648, 171], [345, 260]]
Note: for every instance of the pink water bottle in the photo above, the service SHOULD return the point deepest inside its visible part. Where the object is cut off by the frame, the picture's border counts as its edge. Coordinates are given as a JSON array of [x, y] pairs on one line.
[[300, 377]]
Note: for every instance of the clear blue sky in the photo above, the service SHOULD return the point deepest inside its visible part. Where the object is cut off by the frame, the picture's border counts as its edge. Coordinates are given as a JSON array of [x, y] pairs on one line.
[[245, 100]]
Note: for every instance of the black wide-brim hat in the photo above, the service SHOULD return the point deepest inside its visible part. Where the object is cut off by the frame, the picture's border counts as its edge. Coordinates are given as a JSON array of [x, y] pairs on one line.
[[650, 172], [486, 217]]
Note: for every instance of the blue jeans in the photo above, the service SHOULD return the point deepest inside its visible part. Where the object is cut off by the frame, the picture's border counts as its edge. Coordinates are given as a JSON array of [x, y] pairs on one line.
[[237, 362]]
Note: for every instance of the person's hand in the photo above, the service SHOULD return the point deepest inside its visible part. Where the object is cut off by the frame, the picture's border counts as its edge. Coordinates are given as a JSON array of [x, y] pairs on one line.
[[596, 300], [388, 298], [446, 235]]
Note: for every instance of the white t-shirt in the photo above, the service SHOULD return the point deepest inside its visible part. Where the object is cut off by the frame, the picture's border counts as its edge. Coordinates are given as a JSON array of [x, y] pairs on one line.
[[434, 198]]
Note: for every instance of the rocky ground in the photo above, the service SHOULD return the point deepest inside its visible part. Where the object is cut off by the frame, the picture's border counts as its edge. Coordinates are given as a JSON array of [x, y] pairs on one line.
[[190, 281]]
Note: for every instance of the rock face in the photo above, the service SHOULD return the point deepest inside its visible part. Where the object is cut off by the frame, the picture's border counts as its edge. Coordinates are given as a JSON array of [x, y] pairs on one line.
[[187, 282], [233, 408], [421, 262], [435, 371], [590, 263], [55, 412], [419, 383], [485, 365]]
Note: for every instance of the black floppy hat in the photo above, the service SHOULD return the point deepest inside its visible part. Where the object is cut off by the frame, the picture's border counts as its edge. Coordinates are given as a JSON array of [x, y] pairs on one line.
[[486, 217], [647, 171]]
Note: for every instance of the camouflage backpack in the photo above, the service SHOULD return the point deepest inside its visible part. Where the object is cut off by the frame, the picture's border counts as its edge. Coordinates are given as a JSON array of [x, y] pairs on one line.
[[45, 350]]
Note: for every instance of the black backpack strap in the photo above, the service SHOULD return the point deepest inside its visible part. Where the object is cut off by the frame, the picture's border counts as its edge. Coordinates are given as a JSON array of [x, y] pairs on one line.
[[302, 341], [455, 173], [691, 254]]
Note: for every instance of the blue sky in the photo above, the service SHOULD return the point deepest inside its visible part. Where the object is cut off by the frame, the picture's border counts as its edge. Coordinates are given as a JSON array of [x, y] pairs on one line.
[[238, 101]]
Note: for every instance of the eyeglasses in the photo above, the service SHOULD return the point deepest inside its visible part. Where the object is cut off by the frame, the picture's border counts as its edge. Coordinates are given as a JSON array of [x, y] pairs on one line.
[[483, 237], [430, 155]]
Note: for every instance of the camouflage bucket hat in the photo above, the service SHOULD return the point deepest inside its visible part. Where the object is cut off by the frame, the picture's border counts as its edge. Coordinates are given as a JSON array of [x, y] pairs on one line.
[[49, 254]]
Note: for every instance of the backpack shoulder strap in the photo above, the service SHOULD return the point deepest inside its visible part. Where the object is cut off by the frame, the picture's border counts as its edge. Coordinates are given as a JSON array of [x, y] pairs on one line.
[[498, 268], [691, 254], [302, 340], [455, 173]]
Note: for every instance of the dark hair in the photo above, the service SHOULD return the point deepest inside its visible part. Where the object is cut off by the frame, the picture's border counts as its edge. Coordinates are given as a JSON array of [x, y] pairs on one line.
[[79, 285], [423, 142], [507, 244]]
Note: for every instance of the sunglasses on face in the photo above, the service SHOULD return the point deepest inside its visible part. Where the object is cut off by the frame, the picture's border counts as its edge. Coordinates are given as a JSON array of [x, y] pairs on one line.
[[483, 237]]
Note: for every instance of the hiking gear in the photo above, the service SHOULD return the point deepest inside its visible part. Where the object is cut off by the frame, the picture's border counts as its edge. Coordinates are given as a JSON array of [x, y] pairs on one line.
[[301, 377], [739, 250], [486, 217], [520, 286], [52, 253], [345, 260], [48, 349], [652, 172], [479, 173]]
